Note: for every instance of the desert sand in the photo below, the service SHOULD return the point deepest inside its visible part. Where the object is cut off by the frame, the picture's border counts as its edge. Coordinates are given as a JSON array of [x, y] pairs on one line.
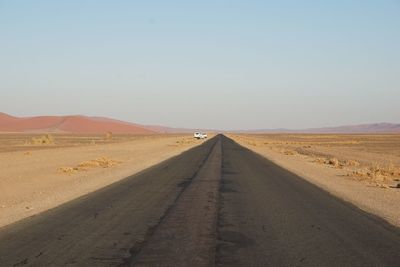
[[35, 177], [361, 169]]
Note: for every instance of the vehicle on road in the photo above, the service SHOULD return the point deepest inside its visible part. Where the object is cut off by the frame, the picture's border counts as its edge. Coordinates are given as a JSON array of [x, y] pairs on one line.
[[199, 135]]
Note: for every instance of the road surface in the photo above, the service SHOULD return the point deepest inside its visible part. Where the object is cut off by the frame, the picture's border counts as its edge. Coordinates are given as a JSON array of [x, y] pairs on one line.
[[218, 204]]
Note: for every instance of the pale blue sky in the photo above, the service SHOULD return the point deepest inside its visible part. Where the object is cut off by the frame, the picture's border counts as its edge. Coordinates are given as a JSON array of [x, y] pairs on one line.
[[203, 64]]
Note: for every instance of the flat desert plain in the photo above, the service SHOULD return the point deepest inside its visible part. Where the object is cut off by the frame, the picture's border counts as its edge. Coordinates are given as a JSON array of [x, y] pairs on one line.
[[39, 172], [359, 168]]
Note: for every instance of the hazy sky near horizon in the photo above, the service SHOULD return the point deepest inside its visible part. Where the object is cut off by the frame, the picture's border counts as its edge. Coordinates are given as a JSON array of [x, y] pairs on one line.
[[203, 64]]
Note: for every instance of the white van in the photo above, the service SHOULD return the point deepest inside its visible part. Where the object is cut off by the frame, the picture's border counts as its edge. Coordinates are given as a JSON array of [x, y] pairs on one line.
[[199, 135]]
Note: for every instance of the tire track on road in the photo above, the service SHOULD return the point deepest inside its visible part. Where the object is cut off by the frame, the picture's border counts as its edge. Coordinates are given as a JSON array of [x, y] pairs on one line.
[[186, 236]]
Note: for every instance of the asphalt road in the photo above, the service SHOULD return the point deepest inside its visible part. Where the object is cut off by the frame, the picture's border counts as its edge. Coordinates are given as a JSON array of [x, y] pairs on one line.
[[218, 204]]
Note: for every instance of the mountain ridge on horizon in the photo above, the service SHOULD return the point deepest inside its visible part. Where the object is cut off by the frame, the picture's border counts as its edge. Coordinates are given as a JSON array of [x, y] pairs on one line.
[[96, 124], [380, 127]]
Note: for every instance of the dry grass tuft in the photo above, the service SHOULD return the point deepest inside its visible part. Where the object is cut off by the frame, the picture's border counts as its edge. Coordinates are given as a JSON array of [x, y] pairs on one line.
[[289, 152], [102, 162], [351, 163], [186, 141], [46, 139], [68, 170], [383, 171], [333, 161], [376, 173]]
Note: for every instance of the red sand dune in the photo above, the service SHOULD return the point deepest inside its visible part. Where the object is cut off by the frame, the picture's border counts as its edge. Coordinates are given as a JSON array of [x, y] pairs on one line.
[[6, 119], [68, 124]]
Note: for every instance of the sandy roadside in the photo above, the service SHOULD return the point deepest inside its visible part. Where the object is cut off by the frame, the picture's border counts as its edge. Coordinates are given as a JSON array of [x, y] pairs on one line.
[[32, 181], [383, 202]]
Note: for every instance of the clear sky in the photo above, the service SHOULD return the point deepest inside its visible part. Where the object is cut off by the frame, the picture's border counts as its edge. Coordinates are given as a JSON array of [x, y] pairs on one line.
[[203, 64]]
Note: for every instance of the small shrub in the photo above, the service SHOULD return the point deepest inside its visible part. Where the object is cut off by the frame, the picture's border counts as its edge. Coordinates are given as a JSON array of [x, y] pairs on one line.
[[68, 170], [333, 161], [185, 141], [290, 152], [46, 139], [100, 162]]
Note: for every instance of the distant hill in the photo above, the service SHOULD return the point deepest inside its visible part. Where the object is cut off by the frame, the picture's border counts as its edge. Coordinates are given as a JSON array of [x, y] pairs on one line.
[[163, 129], [91, 125], [6, 119], [361, 128], [347, 129], [69, 124]]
